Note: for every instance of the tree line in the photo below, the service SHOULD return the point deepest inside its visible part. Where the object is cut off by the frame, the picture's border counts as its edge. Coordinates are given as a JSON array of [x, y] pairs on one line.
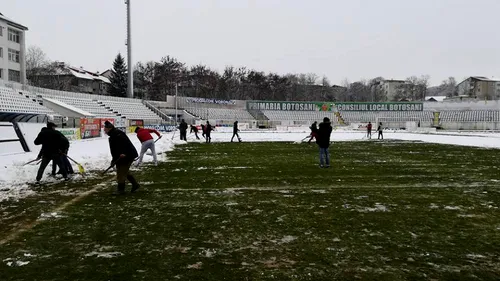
[[154, 80]]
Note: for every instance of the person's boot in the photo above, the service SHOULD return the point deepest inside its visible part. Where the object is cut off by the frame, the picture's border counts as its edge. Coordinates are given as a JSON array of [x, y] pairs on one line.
[[134, 183], [120, 189]]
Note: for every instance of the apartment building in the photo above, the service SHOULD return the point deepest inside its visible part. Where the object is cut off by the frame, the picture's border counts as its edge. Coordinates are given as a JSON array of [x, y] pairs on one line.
[[12, 51]]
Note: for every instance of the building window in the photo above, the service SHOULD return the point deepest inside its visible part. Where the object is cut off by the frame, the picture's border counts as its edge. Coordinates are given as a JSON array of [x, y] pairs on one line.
[[14, 76], [1, 31], [13, 55], [14, 35], [1, 52], [1, 73]]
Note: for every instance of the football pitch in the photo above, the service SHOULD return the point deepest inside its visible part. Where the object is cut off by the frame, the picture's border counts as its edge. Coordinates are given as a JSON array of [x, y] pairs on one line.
[[391, 210]]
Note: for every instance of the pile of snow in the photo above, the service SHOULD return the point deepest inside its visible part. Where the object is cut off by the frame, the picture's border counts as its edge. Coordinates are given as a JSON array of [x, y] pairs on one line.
[[94, 154]]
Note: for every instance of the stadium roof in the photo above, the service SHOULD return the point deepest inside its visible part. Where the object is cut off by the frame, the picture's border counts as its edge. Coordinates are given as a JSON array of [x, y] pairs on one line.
[[13, 23]]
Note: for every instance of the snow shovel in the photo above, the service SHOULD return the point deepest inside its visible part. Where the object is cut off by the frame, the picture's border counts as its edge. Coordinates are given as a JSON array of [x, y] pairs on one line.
[[29, 162], [80, 167], [110, 166]]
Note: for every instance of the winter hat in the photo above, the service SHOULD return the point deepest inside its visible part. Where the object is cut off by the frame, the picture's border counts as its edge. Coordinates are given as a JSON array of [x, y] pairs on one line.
[[51, 125], [137, 129], [326, 120], [108, 125]]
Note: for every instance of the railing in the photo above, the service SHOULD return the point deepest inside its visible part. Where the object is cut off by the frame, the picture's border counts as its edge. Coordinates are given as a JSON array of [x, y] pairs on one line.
[[158, 112]]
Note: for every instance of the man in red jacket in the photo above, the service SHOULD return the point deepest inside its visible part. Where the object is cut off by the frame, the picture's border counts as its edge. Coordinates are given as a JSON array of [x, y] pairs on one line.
[[144, 135]]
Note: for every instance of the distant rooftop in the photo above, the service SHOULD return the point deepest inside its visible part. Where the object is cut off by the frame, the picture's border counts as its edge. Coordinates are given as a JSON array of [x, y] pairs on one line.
[[482, 78], [13, 23], [79, 72]]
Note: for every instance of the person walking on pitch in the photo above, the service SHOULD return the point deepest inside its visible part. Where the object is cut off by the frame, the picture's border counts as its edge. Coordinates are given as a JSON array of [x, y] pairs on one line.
[[379, 129], [369, 130], [183, 130], [235, 131], [144, 136], [208, 130], [323, 141], [195, 130], [123, 154]]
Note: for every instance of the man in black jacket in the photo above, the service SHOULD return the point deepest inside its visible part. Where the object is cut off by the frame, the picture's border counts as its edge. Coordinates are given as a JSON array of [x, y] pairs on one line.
[[235, 131], [52, 149], [123, 153], [208, 131], [323, 141], [64, 155], [183, 129]]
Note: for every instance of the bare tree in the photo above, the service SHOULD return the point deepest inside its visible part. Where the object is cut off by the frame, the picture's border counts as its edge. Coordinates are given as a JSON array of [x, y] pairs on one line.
[[36, 64], [311, 78], [448, 87]]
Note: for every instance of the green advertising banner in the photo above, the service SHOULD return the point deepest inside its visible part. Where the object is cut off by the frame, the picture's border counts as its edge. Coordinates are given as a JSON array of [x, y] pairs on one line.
[[341, 106], [380, 106]]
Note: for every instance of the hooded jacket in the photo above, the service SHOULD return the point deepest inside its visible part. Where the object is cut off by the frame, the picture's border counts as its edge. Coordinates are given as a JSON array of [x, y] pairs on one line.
[[119, 144], [324, 132]]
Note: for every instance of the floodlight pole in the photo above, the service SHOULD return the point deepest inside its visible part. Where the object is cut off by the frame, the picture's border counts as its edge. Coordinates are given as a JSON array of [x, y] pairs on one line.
[[130, 80]]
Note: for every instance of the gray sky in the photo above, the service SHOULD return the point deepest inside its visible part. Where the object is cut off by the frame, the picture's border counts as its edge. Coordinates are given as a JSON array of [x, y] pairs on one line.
[[353, 39]]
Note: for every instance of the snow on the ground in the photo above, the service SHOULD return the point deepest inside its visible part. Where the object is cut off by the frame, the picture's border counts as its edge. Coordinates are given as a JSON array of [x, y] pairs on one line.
[[94, 154]]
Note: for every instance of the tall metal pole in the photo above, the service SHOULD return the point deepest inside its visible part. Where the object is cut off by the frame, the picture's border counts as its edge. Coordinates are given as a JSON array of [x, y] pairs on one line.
[[130, 80]]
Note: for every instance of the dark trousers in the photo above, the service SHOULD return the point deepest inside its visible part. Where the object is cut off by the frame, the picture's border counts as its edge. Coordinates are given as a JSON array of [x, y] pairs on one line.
[[123, 172], [65, 162], [208, 138], [369, 134], [56, 159], [235, 134], [183, 135], [196, 134], [380, 135]]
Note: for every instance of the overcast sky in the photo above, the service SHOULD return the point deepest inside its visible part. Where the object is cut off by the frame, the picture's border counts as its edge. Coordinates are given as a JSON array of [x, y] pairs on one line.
[[353, 39]]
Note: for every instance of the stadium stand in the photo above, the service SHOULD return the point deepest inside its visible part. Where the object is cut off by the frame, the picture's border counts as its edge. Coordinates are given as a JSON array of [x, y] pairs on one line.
[[130, 110], [470, 116], [475, 115], [88, 105], [358, 116], [309, 116], [11, 101], [220, 114], [26, 99]]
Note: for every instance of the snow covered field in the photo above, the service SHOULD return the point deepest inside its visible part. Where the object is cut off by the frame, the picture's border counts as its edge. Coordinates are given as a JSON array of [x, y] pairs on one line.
[[93, 154]]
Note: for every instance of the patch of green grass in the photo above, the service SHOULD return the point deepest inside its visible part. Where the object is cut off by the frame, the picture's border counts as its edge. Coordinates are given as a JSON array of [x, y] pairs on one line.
[[265, 211]]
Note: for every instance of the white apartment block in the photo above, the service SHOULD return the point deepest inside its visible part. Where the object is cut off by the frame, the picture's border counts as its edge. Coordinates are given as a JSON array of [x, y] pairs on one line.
[[12, 51]]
